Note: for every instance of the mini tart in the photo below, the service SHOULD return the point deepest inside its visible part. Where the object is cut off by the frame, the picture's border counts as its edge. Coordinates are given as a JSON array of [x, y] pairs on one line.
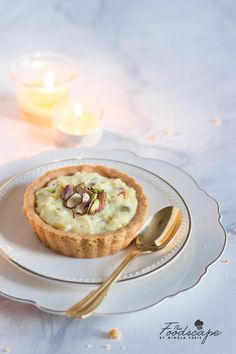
[[86, 245]]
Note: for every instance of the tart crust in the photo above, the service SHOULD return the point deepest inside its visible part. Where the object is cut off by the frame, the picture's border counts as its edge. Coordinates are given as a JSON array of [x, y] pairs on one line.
[[86, 245]]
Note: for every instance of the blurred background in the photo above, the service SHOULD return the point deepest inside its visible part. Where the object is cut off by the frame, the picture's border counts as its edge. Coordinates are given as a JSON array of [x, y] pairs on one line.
[[163, 71]]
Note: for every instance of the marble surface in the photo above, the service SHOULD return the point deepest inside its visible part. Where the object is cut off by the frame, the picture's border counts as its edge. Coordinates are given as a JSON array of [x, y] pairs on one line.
[[164, 73]]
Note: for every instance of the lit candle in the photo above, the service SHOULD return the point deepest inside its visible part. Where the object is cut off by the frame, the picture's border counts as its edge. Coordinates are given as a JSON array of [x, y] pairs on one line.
[[42, 81], [77, 122]]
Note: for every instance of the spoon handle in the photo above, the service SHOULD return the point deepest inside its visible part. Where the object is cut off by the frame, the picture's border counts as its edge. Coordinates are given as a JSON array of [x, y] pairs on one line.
[[85, 307]]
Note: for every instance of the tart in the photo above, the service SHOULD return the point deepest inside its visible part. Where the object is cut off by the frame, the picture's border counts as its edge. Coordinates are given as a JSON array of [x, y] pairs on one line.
[[85, 211]]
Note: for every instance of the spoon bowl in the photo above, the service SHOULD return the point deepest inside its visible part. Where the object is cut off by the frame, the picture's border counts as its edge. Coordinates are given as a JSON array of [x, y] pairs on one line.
[[159, 229]]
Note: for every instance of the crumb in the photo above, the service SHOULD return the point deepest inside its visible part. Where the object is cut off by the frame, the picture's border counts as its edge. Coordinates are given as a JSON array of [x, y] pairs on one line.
[[225, 261], [6, 350], [216, 121], [210, 136], [114, 333], [205, 246], [107, 346], [153, 137], [170, 132], [122, 347], [88, 346]]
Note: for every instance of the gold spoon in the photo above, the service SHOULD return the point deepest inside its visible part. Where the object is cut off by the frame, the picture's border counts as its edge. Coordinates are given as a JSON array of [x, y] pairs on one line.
[[156, 233]]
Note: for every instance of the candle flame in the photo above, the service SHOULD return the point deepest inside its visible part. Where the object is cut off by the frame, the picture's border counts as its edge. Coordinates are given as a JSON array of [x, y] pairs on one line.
[[49, 80], [78, 110]]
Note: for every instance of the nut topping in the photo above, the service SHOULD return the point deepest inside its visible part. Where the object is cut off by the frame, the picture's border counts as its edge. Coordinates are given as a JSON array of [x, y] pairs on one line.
[[81, 189], [97, 190], [73, 201], [86, 199], [80, 209], [92, 200], [67, 192], [94, 208], [102, 199]]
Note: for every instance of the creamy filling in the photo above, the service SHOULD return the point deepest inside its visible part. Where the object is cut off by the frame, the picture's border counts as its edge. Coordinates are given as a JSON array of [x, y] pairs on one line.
[[120, 208]]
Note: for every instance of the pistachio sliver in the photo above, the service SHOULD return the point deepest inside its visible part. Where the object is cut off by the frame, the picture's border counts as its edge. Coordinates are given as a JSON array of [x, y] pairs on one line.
[[81, 189], [73, 201], [102, 199], [94, 207], [93, 198], [124, 208], [81, 209], [67, 192], [97, 190], [85, 197]]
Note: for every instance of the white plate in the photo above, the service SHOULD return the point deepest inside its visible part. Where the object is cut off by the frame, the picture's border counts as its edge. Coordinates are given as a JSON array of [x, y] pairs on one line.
[[19, 244], [204, 246]]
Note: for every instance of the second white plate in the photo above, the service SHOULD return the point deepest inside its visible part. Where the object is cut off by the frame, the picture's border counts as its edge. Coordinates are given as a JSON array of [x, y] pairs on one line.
[[19, 244]]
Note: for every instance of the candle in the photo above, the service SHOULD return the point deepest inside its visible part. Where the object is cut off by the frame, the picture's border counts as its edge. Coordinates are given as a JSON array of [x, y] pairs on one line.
[[42, 81], [77, 122]]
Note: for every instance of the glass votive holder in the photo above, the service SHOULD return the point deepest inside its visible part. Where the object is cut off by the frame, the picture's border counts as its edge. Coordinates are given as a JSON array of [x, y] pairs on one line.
[[77, 123], [42, 80]]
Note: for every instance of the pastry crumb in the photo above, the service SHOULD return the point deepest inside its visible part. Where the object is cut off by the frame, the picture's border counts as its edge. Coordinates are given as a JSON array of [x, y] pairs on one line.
[[106, 346], [6, 350], [153, 137], [122, 347], [115, 334], [170, 132], [88, 346], [225, 261], [216, 121]]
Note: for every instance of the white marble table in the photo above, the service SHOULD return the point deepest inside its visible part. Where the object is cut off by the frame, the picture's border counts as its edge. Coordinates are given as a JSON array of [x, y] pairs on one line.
[[165, 75]]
